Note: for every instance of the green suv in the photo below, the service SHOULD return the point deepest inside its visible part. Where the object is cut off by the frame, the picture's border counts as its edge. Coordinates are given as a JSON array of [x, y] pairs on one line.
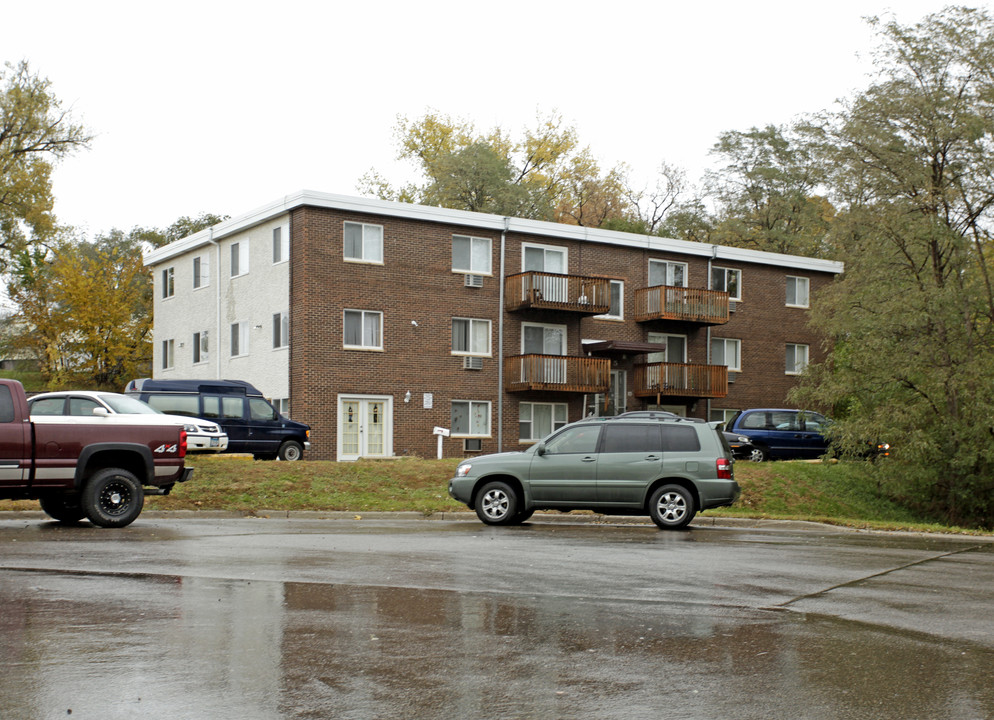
[[634, 464]]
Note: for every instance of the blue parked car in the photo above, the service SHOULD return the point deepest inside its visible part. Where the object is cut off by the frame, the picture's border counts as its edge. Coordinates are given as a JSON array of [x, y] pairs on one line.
[[781, 433]]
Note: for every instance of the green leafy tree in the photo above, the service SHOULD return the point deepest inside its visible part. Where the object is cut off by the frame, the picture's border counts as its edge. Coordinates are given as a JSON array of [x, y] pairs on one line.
[[35, 133], [911, 323], [767, 193]]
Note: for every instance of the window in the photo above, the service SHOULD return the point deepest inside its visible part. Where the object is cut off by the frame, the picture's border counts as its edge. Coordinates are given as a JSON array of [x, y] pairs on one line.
[[239, 339], [281, 244], [200, 347], [728, 352], [281, 330], [617, 311], [663, 272], [544, 258], [363, 329], [239, 258], [282, 406], [727, 280], [261, 410], [363, 243], [797, 358], [675, 352], [168, 359], [471, 417], [722, 414], [201, 271], [538, 420], [470, 337], [797, 292], [577, 439], [82, 407], [632, 438], [471, 255], [168, 282]]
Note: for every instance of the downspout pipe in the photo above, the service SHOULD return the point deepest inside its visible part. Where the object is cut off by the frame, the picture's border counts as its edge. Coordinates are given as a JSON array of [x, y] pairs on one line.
[[217, 305], [500, 340], [707, 356]]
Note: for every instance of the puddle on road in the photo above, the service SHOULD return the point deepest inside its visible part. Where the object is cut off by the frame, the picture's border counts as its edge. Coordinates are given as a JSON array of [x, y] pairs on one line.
[[182, 647]]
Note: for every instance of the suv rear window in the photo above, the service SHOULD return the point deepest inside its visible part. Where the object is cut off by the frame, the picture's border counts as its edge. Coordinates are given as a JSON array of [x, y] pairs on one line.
[[631, 438], [680, 438]]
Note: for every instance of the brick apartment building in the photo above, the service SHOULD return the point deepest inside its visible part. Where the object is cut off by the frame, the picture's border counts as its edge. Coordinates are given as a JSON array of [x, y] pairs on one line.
[[378, 322]]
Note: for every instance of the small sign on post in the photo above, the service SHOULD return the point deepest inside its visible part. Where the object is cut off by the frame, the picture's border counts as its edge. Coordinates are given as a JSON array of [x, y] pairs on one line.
[[442, 433]]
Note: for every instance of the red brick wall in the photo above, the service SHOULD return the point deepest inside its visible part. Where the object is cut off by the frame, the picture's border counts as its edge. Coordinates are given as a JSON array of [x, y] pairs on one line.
[[416, 283]]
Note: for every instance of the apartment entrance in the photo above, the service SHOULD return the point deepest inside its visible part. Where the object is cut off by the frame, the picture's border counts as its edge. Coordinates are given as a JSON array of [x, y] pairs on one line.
[[365, 426]]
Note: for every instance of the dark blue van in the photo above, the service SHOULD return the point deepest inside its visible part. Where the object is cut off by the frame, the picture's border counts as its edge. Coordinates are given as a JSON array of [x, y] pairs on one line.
[[252, 423]]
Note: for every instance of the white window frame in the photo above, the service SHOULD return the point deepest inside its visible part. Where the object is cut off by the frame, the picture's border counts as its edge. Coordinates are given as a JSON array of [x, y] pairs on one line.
[[798, 367], [281, 244], [477, 352], [242, 330], [656, 337], [545, 326], [367, 257], [281, 330], [798, 282], [621, 302], [168, 283], [527, 409], [564, 251], [726, 342], [239, 251], [471, 404], [168, 354], [670, 266], [201, 347], [201, 271], [726, 271], [473, 269], [363, 315], [722, 415]]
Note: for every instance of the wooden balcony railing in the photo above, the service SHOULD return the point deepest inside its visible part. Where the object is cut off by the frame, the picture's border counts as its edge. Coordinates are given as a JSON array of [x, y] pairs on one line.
[[558, 373], [665, 302], [548, 291], [669, 379]]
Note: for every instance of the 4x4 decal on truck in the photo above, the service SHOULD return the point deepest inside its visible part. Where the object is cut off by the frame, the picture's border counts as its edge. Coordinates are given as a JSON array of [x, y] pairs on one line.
[[165, 449]]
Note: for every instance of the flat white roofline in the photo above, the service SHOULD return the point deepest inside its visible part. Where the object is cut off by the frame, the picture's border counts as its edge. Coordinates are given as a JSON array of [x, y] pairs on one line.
[[498, 223]]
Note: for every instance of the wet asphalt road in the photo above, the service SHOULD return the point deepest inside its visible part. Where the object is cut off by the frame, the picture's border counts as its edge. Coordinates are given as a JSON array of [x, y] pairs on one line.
[[181, 617]]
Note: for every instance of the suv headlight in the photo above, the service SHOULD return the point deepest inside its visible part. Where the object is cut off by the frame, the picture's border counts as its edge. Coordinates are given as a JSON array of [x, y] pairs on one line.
[[463, 470], [191, 428]]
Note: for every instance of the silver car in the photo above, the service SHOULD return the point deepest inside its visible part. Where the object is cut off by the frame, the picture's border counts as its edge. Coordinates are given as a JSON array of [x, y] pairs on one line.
[[201, 435]]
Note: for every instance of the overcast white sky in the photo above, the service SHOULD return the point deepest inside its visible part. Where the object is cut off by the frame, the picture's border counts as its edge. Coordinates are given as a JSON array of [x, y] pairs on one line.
[[224, 106]]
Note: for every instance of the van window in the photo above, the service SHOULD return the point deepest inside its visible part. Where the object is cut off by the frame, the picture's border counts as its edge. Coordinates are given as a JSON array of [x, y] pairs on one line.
[[259, 409], [223, 408], [680, 438], [631, 438], [174, 404]]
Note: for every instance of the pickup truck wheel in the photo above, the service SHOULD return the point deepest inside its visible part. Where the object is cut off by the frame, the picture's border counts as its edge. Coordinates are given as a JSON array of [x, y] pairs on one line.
[[291, 450], [113, 497], [62, 507]]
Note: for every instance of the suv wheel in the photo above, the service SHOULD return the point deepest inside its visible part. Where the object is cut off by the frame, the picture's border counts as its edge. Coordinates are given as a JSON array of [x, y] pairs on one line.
[[497, 504], [671, 507]]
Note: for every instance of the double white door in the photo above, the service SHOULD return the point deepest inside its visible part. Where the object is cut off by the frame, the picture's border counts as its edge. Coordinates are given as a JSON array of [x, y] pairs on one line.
[[365, 426]]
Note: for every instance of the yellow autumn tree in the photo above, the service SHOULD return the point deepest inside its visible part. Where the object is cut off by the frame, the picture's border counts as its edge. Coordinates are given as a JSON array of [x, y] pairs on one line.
[[84, 313]]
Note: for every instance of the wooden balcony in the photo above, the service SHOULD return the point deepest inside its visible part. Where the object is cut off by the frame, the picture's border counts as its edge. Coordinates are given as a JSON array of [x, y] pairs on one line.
[[548, 291], [557, 373], [665, 302], [677, 379]]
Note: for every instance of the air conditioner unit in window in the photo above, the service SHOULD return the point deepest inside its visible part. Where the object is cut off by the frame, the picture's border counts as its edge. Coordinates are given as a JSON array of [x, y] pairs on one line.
[[472, 363], [472, 445], [732, 376], [732, 306], [475, 281]]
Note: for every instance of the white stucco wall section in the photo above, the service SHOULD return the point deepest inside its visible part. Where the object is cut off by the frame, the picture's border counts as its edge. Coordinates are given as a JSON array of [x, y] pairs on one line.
[[251, 299]]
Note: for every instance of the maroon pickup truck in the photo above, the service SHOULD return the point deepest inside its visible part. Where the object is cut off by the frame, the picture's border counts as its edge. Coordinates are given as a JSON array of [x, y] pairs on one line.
[[82, 467]]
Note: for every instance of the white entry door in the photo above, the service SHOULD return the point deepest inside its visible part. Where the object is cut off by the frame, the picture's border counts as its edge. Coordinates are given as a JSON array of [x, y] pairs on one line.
[[365, 426]]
